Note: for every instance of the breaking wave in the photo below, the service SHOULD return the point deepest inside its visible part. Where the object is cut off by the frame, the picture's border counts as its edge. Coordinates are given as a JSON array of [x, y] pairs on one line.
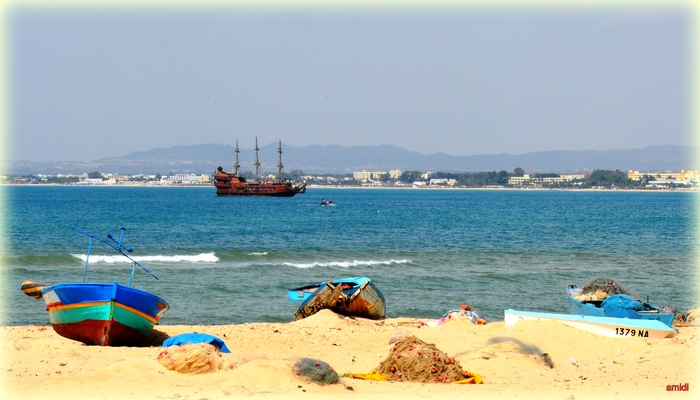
[[346, 264], [199, 258]]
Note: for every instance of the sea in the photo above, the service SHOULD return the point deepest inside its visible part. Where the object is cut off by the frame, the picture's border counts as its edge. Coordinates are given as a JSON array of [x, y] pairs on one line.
[[230, 260]]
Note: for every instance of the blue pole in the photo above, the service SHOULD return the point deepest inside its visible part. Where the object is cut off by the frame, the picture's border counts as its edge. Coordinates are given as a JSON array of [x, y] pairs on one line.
[[87, 257], [133, 267], [121, 235], [118, 248]]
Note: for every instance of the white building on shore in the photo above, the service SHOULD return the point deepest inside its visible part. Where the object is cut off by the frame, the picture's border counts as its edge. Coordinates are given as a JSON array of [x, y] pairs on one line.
[[365, 176], [186, 179], [442, 182]]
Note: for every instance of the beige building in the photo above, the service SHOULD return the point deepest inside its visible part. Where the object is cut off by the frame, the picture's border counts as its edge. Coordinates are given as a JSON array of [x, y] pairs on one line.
[[519, 180], [365, 176], [678, 176], [116, 177]]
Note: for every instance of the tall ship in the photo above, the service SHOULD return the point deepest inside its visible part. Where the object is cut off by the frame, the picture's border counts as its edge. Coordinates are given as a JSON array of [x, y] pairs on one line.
[[230, 184]]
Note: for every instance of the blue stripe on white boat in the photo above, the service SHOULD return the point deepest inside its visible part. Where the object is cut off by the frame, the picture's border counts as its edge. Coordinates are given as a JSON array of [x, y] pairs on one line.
[[606, 326]]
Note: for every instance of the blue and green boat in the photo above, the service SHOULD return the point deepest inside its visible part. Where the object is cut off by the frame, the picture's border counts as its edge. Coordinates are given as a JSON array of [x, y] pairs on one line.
[[103, 314]]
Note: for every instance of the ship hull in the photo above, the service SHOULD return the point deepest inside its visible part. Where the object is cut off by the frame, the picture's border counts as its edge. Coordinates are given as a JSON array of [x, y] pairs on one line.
[[250, 190], [231, 185]]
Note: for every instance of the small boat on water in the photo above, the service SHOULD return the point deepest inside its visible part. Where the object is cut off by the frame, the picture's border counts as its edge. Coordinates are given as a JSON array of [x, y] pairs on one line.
[[356, 297], [605, 298], [605, 326], [325, 202], [230, 184], [103, 314]]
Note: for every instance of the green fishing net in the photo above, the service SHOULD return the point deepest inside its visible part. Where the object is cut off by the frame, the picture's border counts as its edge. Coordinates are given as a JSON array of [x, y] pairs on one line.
[[310, 370]]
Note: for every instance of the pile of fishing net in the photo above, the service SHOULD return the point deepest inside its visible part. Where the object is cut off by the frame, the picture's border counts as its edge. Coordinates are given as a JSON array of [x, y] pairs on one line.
[[317, 371], [689, 318], [600, 289], [198, 358], [413, 360]]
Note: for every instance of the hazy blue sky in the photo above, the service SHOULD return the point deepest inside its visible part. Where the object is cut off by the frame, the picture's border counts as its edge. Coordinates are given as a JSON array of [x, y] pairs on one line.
[[91, 83]]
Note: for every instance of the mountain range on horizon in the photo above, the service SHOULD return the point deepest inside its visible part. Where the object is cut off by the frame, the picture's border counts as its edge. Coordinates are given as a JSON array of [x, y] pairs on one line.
[[335, 159]]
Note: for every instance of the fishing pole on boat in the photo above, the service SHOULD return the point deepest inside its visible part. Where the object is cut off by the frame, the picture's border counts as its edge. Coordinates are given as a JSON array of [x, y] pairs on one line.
[[119, 243], [118, 248]]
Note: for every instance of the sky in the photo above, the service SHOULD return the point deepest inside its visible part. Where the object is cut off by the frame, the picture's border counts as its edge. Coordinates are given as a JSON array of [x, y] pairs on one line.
[[84, 83]]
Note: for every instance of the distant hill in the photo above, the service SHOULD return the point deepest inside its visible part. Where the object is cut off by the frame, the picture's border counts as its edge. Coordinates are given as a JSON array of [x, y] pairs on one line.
[[333, 159]]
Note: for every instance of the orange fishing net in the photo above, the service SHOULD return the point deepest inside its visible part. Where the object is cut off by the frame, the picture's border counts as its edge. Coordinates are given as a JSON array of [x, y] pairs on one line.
[[191, 359], [414, 360]]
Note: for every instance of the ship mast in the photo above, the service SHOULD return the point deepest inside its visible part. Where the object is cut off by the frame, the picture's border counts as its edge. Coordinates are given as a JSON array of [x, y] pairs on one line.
[[257, 163], [279, 165], [236, 164]]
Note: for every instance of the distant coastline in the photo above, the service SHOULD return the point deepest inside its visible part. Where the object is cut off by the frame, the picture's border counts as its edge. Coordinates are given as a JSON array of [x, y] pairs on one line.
[[204, 186], [314, 159]]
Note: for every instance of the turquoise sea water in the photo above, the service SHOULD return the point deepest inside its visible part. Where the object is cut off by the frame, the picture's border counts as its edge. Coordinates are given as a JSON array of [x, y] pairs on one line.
[[228, 260]]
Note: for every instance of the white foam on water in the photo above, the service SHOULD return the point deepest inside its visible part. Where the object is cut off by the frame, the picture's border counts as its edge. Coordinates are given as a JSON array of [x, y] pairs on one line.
[[346, 264], [264, 253], [198, 258]]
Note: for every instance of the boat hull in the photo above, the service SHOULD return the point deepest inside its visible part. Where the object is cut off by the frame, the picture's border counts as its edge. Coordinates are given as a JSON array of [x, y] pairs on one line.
[[604, 326], [228, 184], [367, 302], [593, 309], [102, 314], [364, 301], [304, 292]]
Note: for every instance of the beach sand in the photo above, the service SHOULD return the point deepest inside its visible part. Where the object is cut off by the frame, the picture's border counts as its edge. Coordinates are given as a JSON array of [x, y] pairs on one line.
[[37, 363]]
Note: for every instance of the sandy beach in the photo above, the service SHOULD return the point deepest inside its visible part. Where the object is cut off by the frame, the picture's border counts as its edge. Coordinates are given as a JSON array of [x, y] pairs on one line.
[[38, 363]]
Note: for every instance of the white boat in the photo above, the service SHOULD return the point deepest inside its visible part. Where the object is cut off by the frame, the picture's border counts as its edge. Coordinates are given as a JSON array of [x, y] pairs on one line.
[[605, 326]]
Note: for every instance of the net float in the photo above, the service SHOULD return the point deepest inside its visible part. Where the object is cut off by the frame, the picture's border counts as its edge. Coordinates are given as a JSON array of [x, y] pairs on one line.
[[32, 289]]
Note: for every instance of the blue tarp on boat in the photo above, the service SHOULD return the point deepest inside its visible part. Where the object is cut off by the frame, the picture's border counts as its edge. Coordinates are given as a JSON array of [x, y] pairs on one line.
[[623, 301]]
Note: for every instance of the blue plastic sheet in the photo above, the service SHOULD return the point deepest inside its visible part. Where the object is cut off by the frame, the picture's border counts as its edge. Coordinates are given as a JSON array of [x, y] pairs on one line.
[[193, 338]]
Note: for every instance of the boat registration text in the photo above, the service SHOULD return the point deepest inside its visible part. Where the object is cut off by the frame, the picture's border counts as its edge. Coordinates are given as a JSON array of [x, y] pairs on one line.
[[631, 332]]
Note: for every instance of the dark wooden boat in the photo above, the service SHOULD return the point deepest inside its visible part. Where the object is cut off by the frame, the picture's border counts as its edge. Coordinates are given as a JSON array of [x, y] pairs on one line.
[[365, 301], [349, 286], [230, 184]]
